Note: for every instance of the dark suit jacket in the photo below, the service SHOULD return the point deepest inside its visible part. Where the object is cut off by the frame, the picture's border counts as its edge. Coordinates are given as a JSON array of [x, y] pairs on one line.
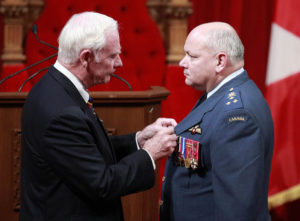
[[236, 140], [71, 170]]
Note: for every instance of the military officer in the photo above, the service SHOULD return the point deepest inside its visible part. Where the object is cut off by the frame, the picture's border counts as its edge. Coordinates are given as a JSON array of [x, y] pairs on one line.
[[220, 169]]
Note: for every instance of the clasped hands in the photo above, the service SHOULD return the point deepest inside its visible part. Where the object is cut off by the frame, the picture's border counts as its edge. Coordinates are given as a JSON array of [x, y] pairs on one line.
[[159, 138]]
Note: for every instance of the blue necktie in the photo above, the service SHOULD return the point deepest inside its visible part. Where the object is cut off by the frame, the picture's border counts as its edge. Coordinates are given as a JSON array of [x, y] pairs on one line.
[[90, 104]]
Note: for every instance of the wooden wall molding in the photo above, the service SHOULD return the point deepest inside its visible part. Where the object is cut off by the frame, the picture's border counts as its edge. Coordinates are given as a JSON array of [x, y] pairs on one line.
[[18, 15], [171, 17]]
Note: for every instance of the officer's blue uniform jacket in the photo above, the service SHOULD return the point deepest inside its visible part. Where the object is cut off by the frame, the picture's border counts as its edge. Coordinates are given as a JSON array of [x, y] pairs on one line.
[[231, 182]]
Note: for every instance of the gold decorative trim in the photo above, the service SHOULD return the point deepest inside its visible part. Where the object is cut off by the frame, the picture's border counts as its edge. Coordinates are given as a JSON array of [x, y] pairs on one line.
[[283, 197]]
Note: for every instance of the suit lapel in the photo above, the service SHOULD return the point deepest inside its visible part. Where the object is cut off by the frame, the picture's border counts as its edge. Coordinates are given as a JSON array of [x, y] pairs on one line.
[[101, 132], [199, 110], [73, 92]]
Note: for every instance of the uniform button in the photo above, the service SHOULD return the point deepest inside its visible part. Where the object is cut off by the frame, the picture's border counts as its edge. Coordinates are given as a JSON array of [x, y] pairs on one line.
[[161, 202], [163, 178]]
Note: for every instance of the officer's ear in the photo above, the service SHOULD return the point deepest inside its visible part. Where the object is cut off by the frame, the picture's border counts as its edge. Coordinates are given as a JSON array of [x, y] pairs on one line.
[[85, 57], [222, 59]]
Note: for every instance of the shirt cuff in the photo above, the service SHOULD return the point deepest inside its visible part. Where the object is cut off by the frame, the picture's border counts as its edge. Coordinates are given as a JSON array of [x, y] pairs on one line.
[[138, 147]]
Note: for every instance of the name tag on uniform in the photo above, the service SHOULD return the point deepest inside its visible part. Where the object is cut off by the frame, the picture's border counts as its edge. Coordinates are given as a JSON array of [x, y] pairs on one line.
[[187, 153]]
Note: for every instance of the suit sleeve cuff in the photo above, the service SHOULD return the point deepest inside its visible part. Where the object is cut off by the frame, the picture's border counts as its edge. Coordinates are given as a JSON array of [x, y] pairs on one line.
[[138, 148]]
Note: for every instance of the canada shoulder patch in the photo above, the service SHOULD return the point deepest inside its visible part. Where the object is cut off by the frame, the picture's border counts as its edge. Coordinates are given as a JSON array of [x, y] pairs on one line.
[[236, 118]]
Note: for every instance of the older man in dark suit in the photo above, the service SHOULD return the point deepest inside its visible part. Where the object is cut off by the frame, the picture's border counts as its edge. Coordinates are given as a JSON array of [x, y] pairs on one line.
[[220, 170], [71, 169]]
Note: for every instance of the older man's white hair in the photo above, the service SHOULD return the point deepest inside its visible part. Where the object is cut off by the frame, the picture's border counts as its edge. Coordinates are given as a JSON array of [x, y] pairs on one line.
[[87, 30]]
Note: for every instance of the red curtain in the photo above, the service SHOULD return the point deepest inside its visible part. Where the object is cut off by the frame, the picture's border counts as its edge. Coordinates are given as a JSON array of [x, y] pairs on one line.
[[143, 53]]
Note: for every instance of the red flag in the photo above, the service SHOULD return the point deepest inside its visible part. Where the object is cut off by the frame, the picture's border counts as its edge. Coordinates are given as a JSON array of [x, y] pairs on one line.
[[283, 96]]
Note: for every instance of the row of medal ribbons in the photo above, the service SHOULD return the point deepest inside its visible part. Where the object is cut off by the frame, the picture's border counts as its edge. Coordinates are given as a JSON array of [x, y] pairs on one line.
[[187, 153]]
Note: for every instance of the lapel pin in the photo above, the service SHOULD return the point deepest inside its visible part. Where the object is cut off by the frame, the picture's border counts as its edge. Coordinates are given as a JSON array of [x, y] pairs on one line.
[[195, 129]]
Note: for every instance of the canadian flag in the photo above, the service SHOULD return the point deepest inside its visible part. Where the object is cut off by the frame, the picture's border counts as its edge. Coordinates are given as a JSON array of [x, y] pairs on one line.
[[283, 96]]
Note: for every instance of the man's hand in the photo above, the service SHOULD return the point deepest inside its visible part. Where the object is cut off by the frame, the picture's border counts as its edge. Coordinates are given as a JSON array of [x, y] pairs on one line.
[[162, 144], [149, 131]]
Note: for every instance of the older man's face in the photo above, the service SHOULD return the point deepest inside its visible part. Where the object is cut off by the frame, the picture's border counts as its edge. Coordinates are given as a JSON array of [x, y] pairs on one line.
[[106, 61]]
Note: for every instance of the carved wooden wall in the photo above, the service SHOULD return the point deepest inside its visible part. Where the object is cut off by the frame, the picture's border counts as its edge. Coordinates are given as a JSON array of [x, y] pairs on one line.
[[171, 17], [18, 17]]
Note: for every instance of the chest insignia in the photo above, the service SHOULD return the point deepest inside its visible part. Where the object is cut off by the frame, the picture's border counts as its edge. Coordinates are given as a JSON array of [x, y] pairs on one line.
[[196, 129]]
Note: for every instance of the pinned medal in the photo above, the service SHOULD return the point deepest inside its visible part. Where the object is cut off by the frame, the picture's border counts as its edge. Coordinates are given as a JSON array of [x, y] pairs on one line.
[[195, 155], [188, 156], [194, 164], [187, 163], [187, 153], [196, 129]]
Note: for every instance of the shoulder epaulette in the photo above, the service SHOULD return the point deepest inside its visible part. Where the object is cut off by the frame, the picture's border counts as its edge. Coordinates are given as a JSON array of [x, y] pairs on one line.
[[232, 99]]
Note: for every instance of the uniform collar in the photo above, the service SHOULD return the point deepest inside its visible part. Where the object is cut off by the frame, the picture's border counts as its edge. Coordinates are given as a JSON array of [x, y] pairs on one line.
[[225, 80]]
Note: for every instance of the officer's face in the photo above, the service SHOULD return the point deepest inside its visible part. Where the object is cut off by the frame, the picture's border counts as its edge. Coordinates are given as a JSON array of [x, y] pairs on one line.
[[106, 61], [198, 63]]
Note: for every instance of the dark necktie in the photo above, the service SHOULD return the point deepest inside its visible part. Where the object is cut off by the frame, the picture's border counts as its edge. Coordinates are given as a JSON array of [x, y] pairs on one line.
[[100, 121], [201, 100], [90, 104]]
